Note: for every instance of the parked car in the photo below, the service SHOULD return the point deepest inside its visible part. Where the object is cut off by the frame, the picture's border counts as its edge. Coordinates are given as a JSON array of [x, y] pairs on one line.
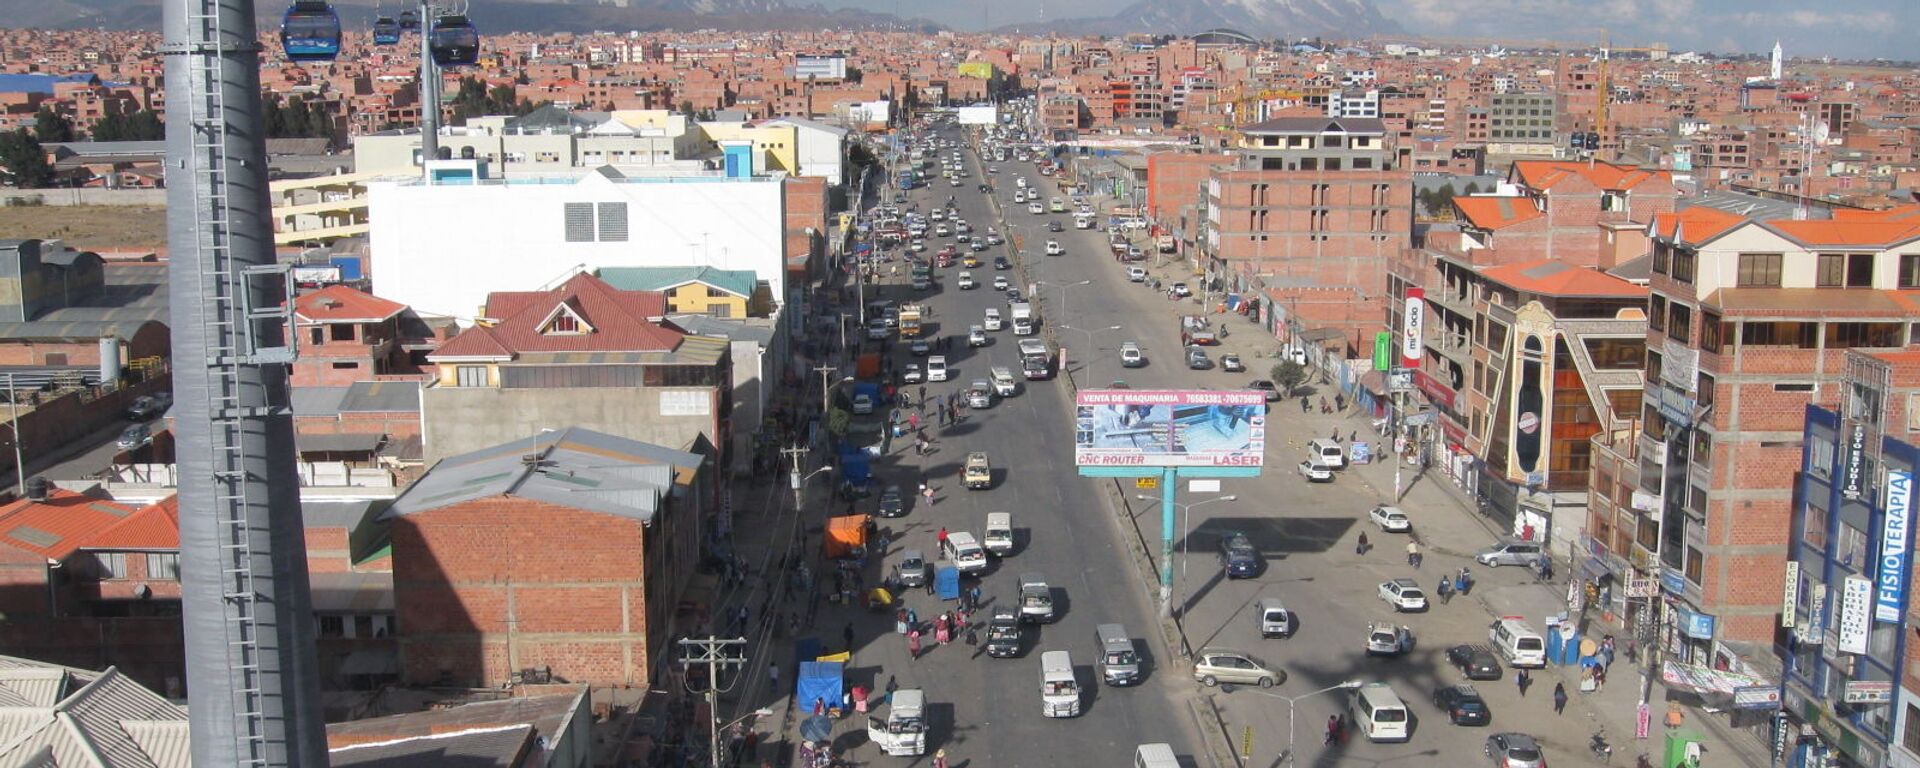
[[134, 437], [1384, 638], [142, 408], [920, 347], [1213, 666], [1238, 557], [1000, 262], [1181, 290], [1463, 704], [1390, 518], [862, 404], [1231, 363], [1197, 359], [1315, 472], [1509, 552], [1272, 392], [1136, 274], [1403, 594], [1515, 750], [1477, 662]]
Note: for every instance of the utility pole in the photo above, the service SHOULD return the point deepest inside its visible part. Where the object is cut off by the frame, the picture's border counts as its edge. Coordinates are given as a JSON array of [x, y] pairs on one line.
[[797, 480], [714, 652], [826, 389], [19, 465]]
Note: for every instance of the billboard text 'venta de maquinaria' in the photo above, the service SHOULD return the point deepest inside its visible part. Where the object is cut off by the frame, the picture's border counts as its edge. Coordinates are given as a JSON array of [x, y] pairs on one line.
[[1169, 428]]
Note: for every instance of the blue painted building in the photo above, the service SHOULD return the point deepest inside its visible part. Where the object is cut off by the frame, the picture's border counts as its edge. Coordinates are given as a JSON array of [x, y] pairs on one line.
[[1849, 574]]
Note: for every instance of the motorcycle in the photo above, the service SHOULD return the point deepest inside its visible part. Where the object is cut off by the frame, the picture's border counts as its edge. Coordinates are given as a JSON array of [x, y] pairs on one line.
[[1599, 747]]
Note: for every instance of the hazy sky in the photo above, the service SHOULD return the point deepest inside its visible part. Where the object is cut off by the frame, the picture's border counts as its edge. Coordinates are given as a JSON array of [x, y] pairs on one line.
[[1844, 28]]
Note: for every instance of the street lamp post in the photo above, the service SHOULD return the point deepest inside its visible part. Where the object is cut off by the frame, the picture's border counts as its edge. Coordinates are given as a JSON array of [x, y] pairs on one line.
[[1292, 700], [1091, 348], [1186, 532], [1063, 291]]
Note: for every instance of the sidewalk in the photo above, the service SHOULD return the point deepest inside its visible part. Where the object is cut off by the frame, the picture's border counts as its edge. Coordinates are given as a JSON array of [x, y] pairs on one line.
[[1450, 530]]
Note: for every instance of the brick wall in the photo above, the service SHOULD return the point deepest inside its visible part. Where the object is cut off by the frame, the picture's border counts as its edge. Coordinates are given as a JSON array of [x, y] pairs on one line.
[[488, 586], [1176, 180]]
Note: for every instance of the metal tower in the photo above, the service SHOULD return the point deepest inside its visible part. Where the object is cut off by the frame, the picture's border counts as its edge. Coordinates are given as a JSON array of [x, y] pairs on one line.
[[251, 680]]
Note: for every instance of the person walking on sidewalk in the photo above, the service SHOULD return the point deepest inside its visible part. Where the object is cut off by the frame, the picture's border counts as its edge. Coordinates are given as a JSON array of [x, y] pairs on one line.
[[1360, 547], [1305, 404], [1413, 554], [1559, 698], [940, 539], [1445, 590], [773, 676], [913, 644], [926, 492], [1522, 680]]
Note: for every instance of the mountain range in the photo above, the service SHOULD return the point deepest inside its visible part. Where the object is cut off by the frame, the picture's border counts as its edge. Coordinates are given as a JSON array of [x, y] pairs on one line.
[[1260, 18]]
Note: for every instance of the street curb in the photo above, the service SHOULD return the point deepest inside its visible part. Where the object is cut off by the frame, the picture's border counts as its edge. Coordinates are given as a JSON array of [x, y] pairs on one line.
[[1200, 720]]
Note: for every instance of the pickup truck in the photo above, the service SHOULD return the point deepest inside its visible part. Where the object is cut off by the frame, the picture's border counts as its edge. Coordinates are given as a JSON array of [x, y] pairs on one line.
[[1199, 330]]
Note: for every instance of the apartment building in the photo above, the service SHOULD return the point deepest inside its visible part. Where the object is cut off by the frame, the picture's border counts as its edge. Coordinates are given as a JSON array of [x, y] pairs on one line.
[[1305, 222], [1523, 123], [1750, 320]]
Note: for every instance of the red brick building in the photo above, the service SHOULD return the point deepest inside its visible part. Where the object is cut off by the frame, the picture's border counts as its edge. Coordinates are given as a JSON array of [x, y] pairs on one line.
[[565, 552], [347, 335]]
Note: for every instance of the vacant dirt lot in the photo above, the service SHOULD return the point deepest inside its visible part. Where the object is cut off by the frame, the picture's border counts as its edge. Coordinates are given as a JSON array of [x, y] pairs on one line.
[[88, 227]]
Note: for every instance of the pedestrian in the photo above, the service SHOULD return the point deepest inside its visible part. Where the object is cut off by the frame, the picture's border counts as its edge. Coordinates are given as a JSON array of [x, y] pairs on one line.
[[1339, 402], [1521, 680], [926, 492], [1323, 405], [882, 544], [973, 595], [1335, 436], [1600, 677], [1413, 554], [940, 541], [1559, 698], [1460, 583], [1305, 405], [940, 759], [929, 586], [973, 635], [913, 422], [1445, 590], [773, 675], [847, 635], [1333, 730], [1360, 547], [913, 644]]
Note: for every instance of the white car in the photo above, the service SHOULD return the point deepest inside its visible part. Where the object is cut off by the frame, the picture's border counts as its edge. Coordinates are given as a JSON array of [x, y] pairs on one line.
[[1054, 248], [912, 374], [976, 336], [1000, 282], [862, 404], [1036, 208], [937, 368], [1391, 519], [1315, 472], [1136, 274], [1404, 595], [966, 281]]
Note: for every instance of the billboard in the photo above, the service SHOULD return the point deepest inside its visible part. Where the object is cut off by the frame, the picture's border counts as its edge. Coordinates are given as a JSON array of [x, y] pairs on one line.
[[1890, 602], [1169, 428], [1413, 329], [987, 115]]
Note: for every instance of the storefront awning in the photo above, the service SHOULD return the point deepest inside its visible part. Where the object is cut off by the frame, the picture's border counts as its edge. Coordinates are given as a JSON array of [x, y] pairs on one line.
[[1708, 680]]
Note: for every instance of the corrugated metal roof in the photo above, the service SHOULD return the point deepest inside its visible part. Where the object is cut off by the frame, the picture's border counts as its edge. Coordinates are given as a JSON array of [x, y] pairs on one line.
[[573, 467], [501, 747], [167, 742], [382, 397], [89, 727]]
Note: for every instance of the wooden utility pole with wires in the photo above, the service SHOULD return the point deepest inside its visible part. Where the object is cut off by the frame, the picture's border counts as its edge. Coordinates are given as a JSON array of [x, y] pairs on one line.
[[714, 652]]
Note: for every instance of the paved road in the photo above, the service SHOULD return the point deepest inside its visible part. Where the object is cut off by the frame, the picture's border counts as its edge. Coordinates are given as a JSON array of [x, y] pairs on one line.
[[1306, 534], [985, 711]]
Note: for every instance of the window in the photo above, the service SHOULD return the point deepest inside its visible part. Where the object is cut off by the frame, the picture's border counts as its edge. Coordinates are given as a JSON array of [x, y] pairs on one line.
[[1830, 270], [1846, 335], [1662, 256], [333, 626], [1910, 737], [564, 323], [1696, 563], [317, 335], [613, 222], [1683, 259], [1712, 333], [1759, 270], [1779, 334], [720, 309], [110, 565], [1704, 394], [1910, 270], [1680, 321], [579, 221], [1657, 312], [470, 375], [163, 566]]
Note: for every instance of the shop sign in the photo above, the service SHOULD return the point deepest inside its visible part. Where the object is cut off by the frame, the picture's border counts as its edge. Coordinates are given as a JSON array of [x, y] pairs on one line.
[[1856, 452], [1433, 388], [1641, 586], [1855, 595], [1890, 599], [1790, 595], [1413, 329], [1672, 582], [1756, 697], [1868, 692], [1814, 633], [1695, 624]]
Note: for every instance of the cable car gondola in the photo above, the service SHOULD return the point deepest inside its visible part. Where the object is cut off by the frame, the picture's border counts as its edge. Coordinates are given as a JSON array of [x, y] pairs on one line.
[[409, 22], [385, 31], [454, 42], [310, 31]]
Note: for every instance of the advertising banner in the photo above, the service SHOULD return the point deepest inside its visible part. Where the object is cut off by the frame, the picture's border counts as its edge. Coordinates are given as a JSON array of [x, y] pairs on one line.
[[1890, 600], [1790, 595], [1855, 595], [1382, 351], [1169, 428], [1413, 330]]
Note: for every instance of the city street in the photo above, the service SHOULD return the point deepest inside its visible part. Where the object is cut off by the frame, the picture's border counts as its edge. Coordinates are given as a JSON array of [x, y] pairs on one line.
[[986, 711]]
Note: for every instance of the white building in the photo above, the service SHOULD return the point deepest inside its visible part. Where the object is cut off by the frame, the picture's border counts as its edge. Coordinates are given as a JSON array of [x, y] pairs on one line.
[[549, 140], [819, 149], [1353, 105], [819, 67], [442, 247]]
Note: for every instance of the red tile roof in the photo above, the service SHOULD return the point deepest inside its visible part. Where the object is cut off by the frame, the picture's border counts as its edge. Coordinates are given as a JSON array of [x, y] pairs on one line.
[[341, 304], [155, 526], [1492, 213], [1848, 233], [1898, 213], [1543, 174], [621, 321], [1694, 225], [56, 527], [1552, 277]]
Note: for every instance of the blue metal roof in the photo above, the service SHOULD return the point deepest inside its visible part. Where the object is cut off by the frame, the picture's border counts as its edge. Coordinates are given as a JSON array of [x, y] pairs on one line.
[[36, 83]]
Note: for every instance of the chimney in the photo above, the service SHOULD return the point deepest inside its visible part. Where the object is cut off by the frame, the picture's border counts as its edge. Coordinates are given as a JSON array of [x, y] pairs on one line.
[[38, 488]]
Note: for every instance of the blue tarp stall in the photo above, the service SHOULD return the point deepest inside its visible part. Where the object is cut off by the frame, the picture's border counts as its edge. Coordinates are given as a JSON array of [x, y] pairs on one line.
[[870, 389], [946, 582], [806, 649], [818, 681], [856, 466]]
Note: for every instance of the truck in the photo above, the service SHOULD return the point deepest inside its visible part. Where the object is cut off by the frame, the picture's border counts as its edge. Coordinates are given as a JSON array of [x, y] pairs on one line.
[[1020, 310], [1164, 241], [903, 733], [1198, 330], [910, 315]]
